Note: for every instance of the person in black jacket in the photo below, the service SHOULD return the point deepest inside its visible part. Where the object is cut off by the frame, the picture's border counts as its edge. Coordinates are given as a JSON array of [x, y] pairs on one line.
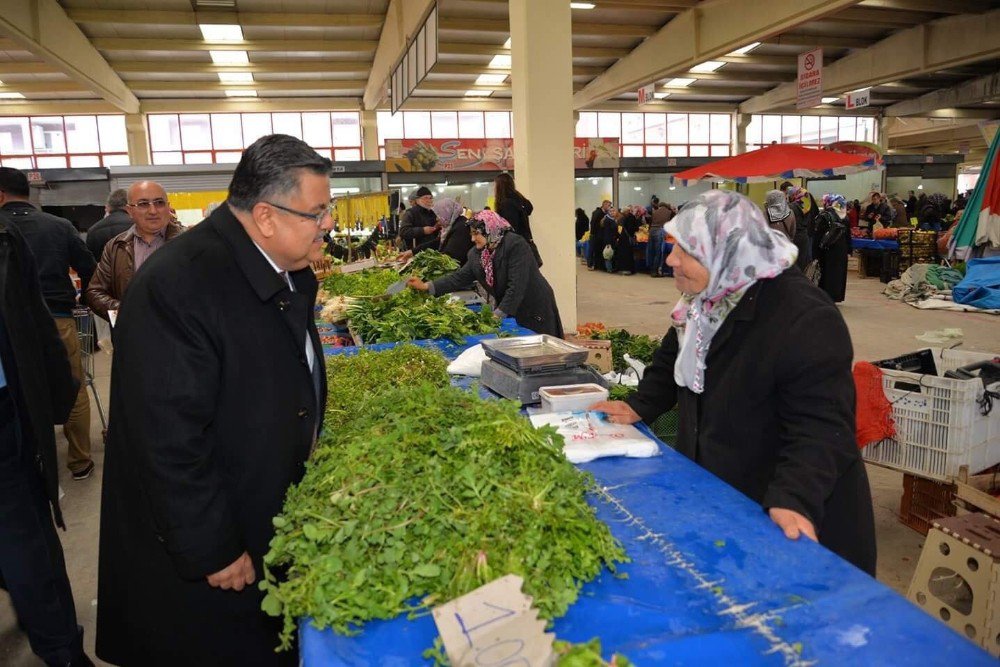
[[515, 209], [419, 227], [57, 248], [216, 402], [37, 390], [455, 239], [111, 225], [832, 247], [581, 223], [595, 260], [503, 264], [758, 362]]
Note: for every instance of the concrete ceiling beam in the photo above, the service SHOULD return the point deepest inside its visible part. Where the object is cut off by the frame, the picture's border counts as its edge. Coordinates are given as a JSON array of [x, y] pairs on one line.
[[977, 91], [402, 22], [245, 19], [43, 28]]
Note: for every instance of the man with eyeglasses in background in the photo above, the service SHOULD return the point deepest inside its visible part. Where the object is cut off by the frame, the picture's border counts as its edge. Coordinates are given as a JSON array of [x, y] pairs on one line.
[[217, 400], [152, 226], [57, 247]]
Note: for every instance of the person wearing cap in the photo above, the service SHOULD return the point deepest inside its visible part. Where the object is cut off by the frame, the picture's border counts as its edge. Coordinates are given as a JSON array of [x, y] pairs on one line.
[[503, 264], [758, 364], [419, 227], [779, 214]]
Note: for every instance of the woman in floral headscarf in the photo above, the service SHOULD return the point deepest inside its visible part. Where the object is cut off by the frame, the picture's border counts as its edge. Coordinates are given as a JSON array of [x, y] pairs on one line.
[[804, 208], [832, 245], [758, 362], [504, 265]]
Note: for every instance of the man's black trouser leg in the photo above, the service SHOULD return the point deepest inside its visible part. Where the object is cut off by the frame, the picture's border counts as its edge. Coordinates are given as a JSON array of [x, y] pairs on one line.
[[31, 557]]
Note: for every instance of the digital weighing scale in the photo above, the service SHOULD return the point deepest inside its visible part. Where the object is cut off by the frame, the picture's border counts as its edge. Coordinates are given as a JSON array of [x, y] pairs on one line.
[[516, 368]]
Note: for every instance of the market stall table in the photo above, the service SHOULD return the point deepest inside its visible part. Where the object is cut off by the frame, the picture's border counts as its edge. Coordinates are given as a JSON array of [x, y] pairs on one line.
[[712, 581], [874, 244]]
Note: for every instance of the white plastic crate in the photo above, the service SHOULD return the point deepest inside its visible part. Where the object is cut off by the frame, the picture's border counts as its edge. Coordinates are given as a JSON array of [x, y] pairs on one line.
[[939, 427]]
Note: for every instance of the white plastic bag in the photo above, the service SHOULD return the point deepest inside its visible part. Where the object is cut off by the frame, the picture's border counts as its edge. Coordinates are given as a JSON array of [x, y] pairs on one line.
[[590, 436], [469, 362]]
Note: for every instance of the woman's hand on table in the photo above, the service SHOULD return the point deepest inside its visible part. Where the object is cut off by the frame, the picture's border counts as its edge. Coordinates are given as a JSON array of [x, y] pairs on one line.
[[403, 256], [792, 523], [416, 283], [618, 412]]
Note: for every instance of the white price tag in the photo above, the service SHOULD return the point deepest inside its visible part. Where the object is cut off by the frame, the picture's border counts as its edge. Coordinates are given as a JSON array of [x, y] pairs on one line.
[[494, 625]]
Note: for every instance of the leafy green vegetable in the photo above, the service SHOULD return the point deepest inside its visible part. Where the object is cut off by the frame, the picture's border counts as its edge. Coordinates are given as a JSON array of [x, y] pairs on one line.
[[352, 380], [619, 392], [439, 494], [412, 315], [586, 655], [623, 342], [371, 282], [430, 265]]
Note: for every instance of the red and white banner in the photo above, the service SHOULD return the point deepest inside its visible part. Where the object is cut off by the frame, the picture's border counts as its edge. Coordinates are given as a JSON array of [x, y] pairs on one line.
[[809, 85], [409, 155]]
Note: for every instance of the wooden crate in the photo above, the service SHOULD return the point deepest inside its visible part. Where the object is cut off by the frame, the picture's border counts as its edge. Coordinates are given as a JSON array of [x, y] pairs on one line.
[[925, 501], [599, 352]]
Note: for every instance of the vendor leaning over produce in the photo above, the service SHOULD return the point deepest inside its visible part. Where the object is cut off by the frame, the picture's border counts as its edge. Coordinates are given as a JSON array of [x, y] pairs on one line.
[[759, 364], [504, 265]]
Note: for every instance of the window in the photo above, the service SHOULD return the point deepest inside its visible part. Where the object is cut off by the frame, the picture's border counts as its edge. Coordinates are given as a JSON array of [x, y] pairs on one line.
[[497, 124], [808, 130], [221, 137], [586, 126], [661, 135], [443, 125], [45, 142]]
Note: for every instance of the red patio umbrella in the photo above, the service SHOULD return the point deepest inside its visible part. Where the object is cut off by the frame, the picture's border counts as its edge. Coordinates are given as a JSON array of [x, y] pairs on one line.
[[778, 161]]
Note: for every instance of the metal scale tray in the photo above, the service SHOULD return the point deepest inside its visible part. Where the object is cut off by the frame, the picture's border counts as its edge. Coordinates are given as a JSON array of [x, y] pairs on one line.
[[517, 368]]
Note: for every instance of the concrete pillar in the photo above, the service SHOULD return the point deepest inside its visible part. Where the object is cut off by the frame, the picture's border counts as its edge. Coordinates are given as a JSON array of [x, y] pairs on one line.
[[138, 139], [369, 135], [542, 88], [741, 121]]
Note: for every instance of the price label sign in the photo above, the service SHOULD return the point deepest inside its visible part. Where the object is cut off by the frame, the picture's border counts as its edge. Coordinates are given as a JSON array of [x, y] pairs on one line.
[[494, 625]]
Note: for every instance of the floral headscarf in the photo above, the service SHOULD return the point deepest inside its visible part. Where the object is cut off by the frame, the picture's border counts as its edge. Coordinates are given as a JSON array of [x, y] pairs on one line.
[[837, 202], [447, 210], [727, 234], [493, 227]]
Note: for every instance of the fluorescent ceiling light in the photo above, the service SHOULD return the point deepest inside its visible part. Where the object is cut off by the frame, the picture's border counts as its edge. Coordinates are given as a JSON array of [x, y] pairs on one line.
[[235, 77], [11, 96], [661, 96], [672, 188], [830, 100], [708, 66], [680, 82], [581, 5], [506, 44], [501, 61], [490, 79], [624, 174], [221, 33], [241, 93], [230, 57], [743, 50], [478, 93], [637, 188]]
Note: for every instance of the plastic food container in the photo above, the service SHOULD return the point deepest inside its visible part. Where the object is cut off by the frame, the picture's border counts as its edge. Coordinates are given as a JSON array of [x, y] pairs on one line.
[[571, 397]]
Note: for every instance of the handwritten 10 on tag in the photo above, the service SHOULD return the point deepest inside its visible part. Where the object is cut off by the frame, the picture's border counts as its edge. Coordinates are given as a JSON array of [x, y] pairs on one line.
[[494, 625]]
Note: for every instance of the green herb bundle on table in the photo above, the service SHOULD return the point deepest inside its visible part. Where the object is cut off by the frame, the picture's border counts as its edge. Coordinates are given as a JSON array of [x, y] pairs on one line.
[[371, 282], [411, 315], [441, 494], [430, 265]]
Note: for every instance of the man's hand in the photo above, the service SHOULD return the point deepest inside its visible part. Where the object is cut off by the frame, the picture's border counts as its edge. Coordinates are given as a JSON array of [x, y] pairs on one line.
[[403, 256], [792, 523], [416, 283], [238, 574], [430, 230], [618, 412]]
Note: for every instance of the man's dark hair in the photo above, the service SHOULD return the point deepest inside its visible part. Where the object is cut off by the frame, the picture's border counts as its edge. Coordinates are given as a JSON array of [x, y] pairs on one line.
[[14, 182], [270, 167], [118, 199], [785, 186]]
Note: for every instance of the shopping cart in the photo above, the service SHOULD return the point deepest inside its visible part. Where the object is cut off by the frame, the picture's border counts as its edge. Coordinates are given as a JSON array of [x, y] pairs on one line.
[[85, 332]]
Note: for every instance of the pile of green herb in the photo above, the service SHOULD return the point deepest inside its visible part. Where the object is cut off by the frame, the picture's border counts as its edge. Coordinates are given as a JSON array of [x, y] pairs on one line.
[[623, 342], [412, 315], [585, 655], [619, 392], [441, 494], [430, 265], [371, 282], [352, 380]]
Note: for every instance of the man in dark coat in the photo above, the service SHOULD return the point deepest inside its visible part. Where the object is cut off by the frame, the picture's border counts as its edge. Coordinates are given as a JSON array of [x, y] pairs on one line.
[[37, 390], [594, 258], [216, 401], [419, 227], [111, 225]]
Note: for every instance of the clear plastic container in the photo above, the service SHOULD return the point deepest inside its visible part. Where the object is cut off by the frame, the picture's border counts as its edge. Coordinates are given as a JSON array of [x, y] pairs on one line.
[[571, 397]]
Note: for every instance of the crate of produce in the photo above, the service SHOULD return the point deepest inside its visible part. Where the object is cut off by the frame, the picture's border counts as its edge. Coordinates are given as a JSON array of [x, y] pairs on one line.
[[939, 422], [598, 352], [924, 501]]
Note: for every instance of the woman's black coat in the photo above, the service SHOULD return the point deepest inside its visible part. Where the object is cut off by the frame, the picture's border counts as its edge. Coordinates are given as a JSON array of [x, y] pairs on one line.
[[832, 260], [519, 289], [457, 241], [214, 411], [776, 420], [596, 242]]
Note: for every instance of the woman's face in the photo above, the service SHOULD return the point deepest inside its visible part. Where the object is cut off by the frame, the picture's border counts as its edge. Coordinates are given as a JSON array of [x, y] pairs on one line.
[[691, 277], [478, 239]]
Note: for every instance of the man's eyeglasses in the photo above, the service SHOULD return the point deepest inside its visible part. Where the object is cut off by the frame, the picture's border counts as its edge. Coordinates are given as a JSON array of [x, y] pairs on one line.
[[146, 204], [315, 217]]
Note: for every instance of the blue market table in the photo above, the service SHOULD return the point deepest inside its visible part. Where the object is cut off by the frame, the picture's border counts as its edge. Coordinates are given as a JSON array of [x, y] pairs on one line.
[[712, 581], [874, 244]]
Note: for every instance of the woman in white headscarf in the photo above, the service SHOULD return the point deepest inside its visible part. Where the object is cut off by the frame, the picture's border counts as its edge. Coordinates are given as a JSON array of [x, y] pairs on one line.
[[758, 362]]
